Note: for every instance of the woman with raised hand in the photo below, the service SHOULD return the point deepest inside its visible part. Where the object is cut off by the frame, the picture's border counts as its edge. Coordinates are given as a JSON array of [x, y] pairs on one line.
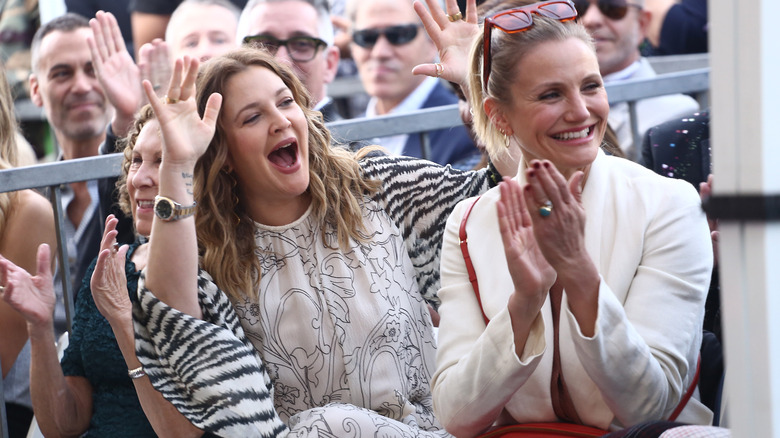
[[593, 316], [313, 244]]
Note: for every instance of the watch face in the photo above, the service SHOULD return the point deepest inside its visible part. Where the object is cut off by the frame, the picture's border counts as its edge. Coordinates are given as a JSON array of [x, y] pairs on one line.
[[163, 208]]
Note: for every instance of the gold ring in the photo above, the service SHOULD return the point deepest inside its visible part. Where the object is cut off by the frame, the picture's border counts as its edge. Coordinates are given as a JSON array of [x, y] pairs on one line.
[[455, 17], [167, 100], [439, 69]]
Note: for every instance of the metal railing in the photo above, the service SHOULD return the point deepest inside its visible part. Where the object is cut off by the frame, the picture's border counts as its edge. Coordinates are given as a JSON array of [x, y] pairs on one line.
[[54, 175]]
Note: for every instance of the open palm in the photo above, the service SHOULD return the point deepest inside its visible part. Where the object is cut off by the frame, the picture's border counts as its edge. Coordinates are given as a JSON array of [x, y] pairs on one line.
[[31, 296]]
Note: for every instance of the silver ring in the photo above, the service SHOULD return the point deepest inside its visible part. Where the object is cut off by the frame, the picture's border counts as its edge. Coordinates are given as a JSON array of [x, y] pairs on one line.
[[546, 208], [439, 69], [2, 289]]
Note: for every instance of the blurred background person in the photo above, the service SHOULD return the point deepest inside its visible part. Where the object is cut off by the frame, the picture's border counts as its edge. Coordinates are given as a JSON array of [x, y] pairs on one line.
[[387, 42], [202, 29], [300, 34]]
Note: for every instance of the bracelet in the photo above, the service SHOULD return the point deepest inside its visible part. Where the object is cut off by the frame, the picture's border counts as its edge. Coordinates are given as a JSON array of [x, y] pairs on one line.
[[136, 373]]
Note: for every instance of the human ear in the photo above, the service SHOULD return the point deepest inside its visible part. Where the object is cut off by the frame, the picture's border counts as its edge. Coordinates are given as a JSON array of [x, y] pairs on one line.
[[35, 93], [495, 113]]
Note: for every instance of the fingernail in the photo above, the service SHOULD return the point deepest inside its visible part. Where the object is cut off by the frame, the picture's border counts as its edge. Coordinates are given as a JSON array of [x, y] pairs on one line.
[[531, 174], [536, 165], [546, 164]]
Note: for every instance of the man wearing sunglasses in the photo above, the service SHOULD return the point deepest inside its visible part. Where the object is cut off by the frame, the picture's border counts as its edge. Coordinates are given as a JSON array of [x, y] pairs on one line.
[[618, 28], [388, 40], [300, 33]]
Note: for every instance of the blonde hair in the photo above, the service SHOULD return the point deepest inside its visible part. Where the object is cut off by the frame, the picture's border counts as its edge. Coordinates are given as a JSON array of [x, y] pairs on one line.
[[507, 50], [127, 144], [9, 153], [225, 230]]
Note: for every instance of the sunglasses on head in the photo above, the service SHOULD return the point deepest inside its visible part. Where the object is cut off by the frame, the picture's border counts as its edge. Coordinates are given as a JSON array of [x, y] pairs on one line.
[[520, 19], [395, 35], [612, 9], [300, 48]]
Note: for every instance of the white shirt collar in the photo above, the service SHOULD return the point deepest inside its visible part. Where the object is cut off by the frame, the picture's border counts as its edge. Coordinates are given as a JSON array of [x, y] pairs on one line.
[[624, 74]]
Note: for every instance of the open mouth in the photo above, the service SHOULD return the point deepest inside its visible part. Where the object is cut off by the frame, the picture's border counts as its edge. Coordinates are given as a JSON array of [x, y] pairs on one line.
[[285, 156], [574, 135], [145, 203]]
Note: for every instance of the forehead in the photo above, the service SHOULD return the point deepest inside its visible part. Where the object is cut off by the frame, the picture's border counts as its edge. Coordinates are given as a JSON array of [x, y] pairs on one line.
[[203, 19], [149, 140], [284, 18], [69, 48], [557, 62], [253, 85], [376, 13]]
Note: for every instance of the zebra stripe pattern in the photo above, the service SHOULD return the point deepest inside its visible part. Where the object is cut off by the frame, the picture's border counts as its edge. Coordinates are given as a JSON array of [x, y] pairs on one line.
[[206, 368]]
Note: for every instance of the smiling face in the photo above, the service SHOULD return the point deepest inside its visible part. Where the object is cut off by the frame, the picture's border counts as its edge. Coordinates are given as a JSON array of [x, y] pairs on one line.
[[143, 176], [267, 136], [558, 109], [64, 83], [202, 31]]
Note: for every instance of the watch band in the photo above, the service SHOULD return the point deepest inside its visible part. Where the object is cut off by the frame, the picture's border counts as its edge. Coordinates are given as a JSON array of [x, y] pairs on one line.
[[169, 210]]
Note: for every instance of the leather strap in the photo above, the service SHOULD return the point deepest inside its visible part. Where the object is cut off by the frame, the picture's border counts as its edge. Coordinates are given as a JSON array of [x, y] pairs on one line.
[[464, 248]]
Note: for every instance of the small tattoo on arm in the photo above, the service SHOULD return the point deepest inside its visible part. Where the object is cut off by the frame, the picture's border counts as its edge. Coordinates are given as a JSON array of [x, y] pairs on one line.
[[188, 182]]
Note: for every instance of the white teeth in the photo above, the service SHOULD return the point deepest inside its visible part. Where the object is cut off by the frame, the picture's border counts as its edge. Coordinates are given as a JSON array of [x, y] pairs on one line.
[[145, 204], [573, 135]]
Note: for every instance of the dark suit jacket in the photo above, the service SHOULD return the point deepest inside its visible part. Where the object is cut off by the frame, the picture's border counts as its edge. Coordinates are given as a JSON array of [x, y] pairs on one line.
[[448, 146]]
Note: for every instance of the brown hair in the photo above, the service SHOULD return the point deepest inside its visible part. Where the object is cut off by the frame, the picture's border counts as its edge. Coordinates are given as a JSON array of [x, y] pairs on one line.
[[225, 231], [8, 146]]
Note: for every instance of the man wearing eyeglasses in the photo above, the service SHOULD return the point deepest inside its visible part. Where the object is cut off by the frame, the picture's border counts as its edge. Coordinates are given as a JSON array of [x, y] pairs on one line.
[[300, 33], [618, 28], [387, 42]]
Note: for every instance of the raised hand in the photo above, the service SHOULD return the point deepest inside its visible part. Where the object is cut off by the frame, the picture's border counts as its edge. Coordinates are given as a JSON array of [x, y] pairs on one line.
[[452, 38], [109, 283], [115, 69], [531, 274], [32, 296], [186, 135], [154, 61]]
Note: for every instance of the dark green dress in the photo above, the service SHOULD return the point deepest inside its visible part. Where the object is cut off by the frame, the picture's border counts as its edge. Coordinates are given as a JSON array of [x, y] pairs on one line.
[[94, 353]]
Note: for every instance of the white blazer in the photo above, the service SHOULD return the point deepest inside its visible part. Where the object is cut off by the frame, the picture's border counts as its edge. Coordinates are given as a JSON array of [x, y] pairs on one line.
[[649, 239]]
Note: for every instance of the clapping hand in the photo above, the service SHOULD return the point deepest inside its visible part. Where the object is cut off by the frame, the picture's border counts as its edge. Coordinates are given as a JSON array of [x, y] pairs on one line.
[[31, 296], [531, 274], [109, 283]]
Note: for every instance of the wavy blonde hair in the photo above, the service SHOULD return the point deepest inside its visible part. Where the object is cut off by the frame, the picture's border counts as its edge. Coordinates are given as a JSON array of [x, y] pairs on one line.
[[225, 230], [9, 153], [507, 50], [144, 115]]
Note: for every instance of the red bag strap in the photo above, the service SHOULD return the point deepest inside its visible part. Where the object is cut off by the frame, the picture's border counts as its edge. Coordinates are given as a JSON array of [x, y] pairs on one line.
[[464, 248]]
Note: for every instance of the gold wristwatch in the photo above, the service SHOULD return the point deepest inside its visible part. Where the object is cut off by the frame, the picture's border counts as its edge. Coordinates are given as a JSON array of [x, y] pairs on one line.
[[169, 210]]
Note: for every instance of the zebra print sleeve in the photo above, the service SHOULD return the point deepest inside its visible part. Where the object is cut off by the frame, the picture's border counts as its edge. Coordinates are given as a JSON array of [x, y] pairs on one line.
[[206, 368], [419, 196]]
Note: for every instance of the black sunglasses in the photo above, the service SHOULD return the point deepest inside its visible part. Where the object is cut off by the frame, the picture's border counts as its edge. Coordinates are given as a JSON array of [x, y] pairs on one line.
[[300, 48], [612, 9], [396, 35]]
